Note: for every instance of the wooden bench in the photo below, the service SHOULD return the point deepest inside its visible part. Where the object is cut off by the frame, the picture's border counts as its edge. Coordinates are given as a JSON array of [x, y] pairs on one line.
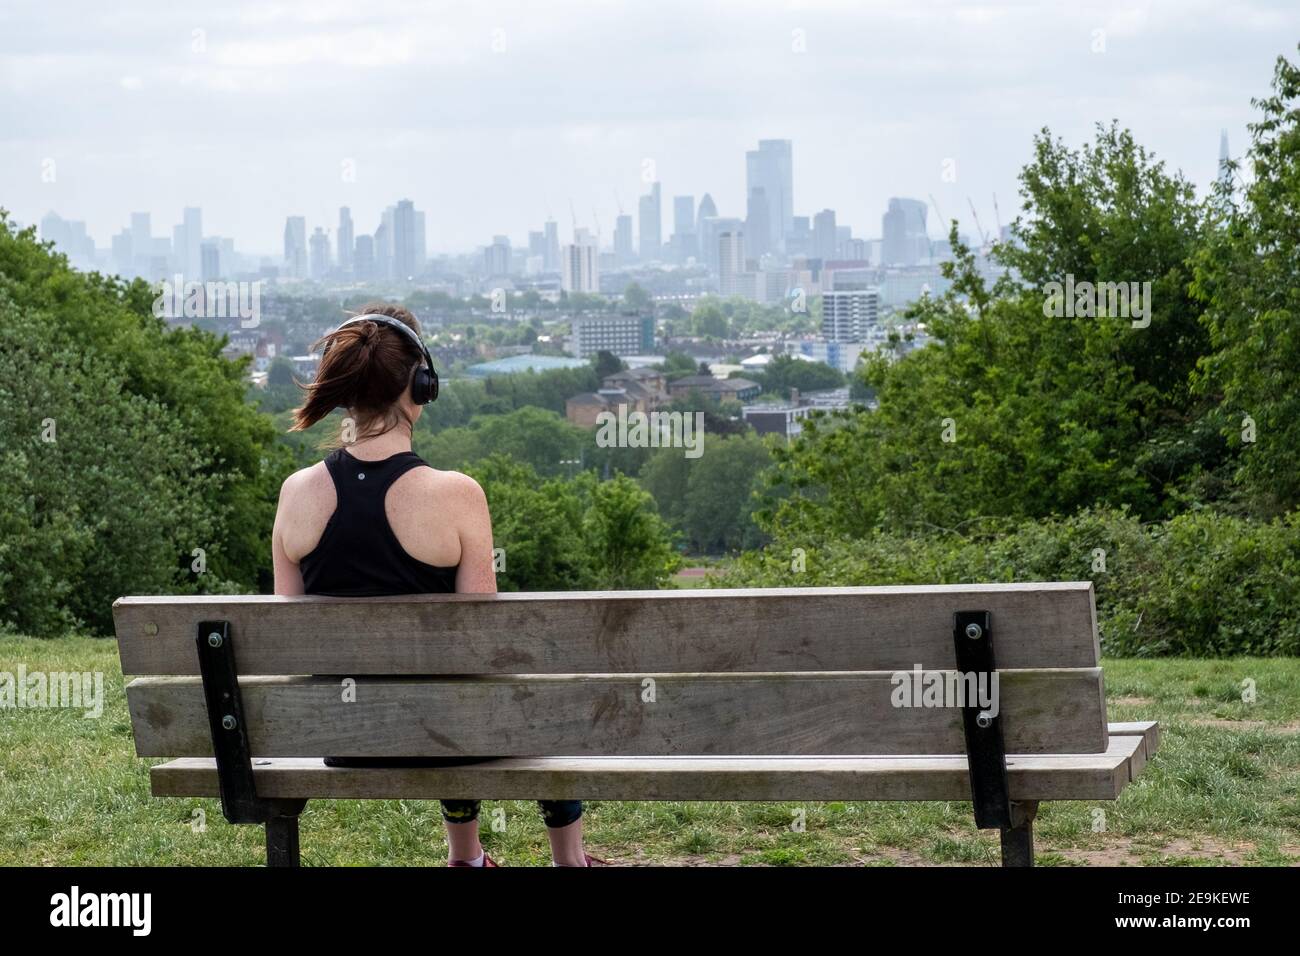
[[762, 694]]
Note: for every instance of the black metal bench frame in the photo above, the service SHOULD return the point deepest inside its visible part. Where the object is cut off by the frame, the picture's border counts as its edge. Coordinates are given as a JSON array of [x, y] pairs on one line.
[[240, 804]]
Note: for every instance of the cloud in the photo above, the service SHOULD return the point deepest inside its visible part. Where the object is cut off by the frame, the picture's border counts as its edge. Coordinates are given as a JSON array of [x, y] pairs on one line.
[[491, 115]]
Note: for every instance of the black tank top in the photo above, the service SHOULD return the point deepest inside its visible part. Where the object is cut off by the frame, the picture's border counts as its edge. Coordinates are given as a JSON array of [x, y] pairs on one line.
[[358, 555]]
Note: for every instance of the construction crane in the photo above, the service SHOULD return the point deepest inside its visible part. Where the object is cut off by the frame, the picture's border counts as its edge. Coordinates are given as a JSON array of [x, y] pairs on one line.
[[997, 216], [943, 223], [984, 236]]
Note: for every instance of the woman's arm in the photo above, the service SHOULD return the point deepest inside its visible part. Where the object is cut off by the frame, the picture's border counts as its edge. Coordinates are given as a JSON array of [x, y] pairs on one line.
[[476, 574], [288, 579]]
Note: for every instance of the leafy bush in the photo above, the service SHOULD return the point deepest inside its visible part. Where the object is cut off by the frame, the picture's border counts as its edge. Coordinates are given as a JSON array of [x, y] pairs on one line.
[[156, 452], [102, 492], [1199, 584]]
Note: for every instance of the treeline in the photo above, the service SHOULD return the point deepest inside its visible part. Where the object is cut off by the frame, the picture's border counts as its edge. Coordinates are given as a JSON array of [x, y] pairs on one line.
[[1006, 448]]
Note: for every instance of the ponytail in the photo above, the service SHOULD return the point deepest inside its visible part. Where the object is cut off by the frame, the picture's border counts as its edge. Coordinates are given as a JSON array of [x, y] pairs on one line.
[[366, 367]]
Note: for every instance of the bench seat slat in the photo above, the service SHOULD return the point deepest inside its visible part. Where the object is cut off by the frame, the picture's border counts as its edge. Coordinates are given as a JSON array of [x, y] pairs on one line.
[[1055, 777], [1047, 624], [1043, 711]]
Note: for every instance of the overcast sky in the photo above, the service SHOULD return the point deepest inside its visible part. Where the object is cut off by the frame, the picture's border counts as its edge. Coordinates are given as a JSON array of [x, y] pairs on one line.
[[492, 116]]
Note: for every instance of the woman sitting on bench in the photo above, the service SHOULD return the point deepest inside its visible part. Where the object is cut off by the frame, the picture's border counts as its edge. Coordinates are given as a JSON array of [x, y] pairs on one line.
[[374, 519]]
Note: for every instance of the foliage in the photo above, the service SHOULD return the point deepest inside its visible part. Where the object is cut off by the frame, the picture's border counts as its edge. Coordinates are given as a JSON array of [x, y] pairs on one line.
[[1198, 584], [234, 459], [709, 500], [528, 435], [1247, 275], [562, 535], [81, 521]]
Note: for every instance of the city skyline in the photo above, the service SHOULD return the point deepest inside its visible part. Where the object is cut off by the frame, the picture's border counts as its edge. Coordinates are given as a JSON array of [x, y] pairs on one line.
[[303, 110]]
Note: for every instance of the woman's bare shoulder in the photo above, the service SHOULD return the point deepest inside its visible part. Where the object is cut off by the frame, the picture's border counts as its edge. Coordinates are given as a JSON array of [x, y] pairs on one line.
[[306, 483], [449, 486]]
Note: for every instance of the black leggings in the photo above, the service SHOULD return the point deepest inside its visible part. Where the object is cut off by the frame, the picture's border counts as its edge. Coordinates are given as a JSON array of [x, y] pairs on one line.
[[555, 813]]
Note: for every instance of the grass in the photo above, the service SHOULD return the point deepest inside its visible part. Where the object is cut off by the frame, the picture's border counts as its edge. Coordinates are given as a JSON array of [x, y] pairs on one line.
[[1224, 789]]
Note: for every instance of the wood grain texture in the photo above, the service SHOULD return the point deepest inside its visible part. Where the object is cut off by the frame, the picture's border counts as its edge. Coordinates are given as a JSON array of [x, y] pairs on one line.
[[1043, 711], [780, 629], [1073, 777]]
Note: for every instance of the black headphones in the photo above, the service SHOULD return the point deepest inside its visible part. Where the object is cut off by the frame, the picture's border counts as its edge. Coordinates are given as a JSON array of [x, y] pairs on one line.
[[424, 385]]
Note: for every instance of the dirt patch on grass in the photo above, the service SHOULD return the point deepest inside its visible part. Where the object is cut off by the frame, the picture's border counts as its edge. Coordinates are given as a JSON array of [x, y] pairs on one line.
[[1287, 728], [1125, 851], [1132, 701]]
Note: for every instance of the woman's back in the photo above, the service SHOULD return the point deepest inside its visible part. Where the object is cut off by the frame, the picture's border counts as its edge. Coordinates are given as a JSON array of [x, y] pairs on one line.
[[359, 553]]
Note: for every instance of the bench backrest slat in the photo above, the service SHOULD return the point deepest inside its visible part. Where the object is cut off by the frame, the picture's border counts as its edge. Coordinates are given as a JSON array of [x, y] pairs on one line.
[[794, 629], [1044, 712]]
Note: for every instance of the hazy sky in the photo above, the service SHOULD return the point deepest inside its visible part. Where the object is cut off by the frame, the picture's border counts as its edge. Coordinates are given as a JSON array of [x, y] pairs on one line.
[[493, 115]]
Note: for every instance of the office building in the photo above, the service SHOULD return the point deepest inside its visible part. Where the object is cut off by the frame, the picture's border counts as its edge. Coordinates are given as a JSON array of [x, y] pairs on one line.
[[850, 315], [904, 239], [616, 333], [295, 247], [708, 209], [771, 169], [624, 251], [758, 229], [363, 259], [551, 262], [824, 235], [731, 262], [580, 264], [651, 231], [684, 241], [497, 257], [320, 253], [344, 240], [406, 260]]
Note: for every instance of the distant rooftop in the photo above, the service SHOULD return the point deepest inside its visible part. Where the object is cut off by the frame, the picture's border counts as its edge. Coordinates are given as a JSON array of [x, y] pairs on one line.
[[524, 363]]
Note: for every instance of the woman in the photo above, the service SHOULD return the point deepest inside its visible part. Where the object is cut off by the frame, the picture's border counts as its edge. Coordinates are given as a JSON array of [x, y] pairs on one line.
[[374, 519]]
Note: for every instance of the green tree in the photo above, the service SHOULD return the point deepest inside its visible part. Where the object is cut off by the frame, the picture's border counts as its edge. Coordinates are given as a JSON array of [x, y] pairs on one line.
[[181, 370], [630, 545], [539, 527], [82, 521], [1246, 277]]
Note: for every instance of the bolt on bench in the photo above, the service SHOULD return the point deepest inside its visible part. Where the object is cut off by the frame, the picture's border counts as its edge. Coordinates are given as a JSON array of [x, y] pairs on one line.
[[749, 694]]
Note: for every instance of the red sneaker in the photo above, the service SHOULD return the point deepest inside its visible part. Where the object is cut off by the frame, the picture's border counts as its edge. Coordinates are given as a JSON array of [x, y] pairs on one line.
[[487, 861]]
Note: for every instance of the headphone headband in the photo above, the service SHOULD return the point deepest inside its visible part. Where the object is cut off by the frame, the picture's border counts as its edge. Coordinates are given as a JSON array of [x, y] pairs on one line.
[[424, 386]]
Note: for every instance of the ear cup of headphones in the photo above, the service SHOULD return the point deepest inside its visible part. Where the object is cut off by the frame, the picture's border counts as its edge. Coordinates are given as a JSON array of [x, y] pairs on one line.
[[424, 387]]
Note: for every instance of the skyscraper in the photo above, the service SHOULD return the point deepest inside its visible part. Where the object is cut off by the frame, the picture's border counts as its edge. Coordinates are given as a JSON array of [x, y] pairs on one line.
[[404, 241], [824, 235], [320, 253], [344, 240], [624, 251], [551, 263], [904, 241], [141, 243], [651, 231], [580, 267], [189, 242], [684, 227], [707, 210], [496, 257], [295, 247], [363, 263], [758, 228], [771, 169], [209, 261], [731, 261]]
